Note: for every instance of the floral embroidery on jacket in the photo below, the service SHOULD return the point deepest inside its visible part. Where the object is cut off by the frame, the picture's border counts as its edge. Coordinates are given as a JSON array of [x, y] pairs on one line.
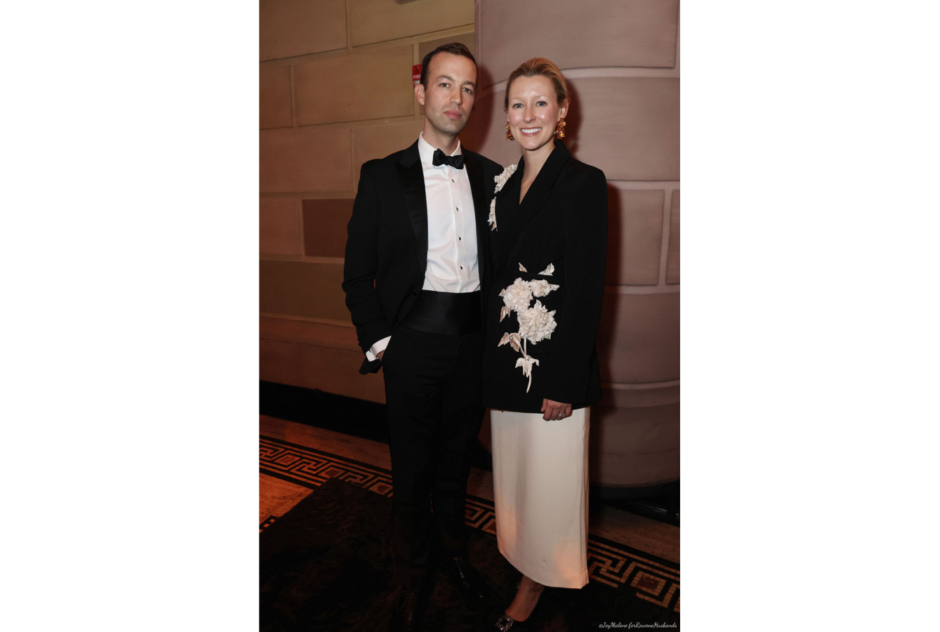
[[536, 323], [501, 180]]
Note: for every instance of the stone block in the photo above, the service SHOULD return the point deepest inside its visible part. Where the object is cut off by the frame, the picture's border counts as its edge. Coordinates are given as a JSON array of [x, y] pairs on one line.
[[326, 368], [372, 21], [309, 333], [298, 160], [337, 371], [634, 447], [299, 288], [638, 340], [638, 395], [634, 236], [300, 27], [361, 85], [280, 226], [592, 33], [325, 227], [280, 362], [467, 39], [672, 264], [627, 127], [274, 105]]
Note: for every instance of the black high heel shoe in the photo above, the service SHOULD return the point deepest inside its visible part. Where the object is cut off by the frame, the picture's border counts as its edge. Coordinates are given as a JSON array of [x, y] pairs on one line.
[[506, 623]]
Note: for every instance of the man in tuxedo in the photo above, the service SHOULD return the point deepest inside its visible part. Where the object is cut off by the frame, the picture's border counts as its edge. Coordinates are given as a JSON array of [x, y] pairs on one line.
[[415, 265]]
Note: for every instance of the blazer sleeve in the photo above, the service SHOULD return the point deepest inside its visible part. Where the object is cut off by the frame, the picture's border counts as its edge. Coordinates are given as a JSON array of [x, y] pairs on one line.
[[566, 376], [361, 264]]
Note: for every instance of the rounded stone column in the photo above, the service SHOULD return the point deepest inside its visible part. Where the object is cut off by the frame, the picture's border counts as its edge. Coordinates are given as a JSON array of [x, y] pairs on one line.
[[621, 62]]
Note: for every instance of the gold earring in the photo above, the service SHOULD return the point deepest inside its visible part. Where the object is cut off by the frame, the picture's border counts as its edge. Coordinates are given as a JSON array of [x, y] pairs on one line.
[[508, 133], [560, 130]]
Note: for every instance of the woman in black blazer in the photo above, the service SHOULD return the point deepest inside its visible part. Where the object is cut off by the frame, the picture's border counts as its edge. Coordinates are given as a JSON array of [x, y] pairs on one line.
[[548, 238]]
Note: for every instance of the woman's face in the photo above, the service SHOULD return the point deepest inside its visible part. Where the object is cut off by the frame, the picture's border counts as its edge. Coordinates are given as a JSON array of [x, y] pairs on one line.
[[534, 111]]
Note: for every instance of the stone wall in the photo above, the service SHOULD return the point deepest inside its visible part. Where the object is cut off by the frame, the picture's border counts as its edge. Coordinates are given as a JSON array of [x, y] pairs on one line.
[[336, 91]]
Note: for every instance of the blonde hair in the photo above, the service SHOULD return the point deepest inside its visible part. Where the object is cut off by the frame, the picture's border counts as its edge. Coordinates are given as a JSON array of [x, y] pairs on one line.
[[542, 67]]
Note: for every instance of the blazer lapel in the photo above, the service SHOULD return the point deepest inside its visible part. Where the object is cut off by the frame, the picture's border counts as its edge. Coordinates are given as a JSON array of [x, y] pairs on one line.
[[480, 209], [535, 198], [416, 201], [507, 207], [540, 190]]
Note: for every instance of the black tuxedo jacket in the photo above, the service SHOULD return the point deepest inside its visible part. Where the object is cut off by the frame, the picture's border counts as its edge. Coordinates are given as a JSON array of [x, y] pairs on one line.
[[561, 222], [387, 240]]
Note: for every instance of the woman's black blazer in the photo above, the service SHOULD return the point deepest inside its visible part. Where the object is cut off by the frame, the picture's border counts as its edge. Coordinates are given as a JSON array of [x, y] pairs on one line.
[[562, 223]]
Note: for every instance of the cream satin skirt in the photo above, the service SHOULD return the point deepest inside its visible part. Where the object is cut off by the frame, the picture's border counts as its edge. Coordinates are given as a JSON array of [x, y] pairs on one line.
[[540, 488]]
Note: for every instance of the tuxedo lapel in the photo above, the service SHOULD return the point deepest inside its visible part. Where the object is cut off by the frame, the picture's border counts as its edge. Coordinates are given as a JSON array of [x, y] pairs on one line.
[[416, 201], [480, 209]]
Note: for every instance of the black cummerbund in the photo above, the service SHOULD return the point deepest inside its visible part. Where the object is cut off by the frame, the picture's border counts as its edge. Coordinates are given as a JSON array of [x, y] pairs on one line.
[[446, 313]]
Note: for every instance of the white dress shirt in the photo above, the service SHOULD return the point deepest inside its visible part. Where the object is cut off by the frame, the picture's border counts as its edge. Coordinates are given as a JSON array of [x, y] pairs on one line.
[[452, 234]]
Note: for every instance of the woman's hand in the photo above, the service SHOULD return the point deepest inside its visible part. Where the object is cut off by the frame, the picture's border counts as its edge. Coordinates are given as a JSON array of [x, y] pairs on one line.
[[555, 410]]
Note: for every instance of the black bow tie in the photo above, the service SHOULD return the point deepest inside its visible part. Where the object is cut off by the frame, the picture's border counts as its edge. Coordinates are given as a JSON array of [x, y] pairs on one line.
[[454, 161]]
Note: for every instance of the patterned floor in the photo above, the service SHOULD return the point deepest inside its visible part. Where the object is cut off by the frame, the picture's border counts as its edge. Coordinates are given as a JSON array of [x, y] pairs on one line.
[[653, 579]]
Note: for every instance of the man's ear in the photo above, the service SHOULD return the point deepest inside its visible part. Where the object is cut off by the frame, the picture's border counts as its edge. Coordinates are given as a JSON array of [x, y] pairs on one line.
[[419, 93]]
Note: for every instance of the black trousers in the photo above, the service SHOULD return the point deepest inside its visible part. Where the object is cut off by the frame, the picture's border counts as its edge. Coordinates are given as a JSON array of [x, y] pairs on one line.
[[433, 391]]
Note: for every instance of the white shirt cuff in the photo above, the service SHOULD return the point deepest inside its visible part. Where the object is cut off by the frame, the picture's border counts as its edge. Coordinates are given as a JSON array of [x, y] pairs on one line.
[[373, 352]]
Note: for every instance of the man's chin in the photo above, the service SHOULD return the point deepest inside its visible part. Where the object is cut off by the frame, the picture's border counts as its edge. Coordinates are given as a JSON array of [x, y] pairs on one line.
[[450, 126]]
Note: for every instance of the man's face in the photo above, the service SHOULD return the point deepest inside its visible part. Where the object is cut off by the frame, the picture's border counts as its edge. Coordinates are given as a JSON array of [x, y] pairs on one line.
[[448, 99]]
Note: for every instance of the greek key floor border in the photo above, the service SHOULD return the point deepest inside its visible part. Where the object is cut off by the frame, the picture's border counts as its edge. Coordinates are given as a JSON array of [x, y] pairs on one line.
[[613, 564]]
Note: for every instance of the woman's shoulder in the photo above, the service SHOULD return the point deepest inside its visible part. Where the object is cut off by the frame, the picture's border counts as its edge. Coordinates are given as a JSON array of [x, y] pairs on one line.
[[585, 188], [582, 175]]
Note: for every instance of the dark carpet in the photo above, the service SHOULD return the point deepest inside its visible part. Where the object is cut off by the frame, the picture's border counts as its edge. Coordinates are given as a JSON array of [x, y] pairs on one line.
[[367, 420], [326, 566]]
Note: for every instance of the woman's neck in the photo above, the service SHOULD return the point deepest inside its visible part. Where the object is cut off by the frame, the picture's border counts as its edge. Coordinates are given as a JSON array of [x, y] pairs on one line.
[[535, 159]]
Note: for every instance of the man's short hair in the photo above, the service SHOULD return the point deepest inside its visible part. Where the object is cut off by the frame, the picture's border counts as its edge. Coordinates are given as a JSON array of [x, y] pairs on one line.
[[454, 48]]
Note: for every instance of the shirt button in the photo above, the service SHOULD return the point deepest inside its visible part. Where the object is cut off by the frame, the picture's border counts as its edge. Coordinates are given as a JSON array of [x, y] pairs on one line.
[[461, 267]]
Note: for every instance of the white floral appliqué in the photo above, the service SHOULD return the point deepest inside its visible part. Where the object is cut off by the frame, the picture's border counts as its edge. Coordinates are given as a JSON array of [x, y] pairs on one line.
[[501, 180], [548, 271], [535, 323]]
